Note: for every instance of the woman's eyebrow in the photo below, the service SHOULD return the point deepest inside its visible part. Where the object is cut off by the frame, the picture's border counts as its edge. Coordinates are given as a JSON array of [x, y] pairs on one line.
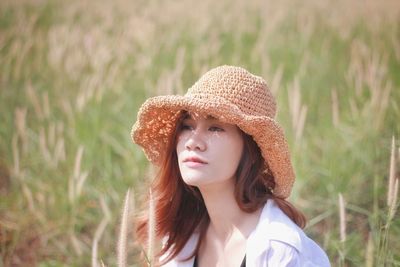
[[210, 117], [185, 117]]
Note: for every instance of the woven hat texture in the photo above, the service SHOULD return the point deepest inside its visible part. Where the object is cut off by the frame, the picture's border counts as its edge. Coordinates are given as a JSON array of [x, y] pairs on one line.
[[232, 95]]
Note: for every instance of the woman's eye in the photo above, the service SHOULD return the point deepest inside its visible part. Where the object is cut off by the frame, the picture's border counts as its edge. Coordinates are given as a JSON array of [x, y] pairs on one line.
[[185, 127], [216, 129]]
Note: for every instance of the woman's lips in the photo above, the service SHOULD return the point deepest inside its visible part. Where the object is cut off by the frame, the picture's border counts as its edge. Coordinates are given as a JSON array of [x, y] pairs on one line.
[[194, 162]]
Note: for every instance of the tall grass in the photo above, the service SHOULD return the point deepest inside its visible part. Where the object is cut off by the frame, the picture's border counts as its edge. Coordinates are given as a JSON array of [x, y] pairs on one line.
[[73, 76]]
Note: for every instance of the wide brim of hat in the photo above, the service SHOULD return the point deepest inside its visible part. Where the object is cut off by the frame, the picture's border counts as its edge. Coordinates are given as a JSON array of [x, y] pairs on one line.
[[157, 117]]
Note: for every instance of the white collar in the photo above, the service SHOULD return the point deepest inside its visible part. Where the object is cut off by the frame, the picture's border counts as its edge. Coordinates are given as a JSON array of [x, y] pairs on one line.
[[273, 224]]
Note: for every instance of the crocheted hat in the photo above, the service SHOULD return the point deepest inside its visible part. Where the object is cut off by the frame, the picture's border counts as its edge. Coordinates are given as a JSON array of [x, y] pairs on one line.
[[232, 95]]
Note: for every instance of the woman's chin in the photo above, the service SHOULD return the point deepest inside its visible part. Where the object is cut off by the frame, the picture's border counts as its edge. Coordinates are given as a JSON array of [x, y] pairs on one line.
[[194, 181]]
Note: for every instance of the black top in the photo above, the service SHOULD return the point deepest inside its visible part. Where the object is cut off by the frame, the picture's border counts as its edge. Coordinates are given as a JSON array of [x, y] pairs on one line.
[[243, 264]]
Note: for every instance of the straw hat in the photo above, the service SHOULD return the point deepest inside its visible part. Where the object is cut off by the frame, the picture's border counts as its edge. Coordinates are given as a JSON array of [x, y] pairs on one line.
[[232, 95]]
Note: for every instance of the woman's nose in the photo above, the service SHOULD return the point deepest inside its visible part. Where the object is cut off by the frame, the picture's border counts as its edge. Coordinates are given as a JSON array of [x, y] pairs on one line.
[[196, 142]]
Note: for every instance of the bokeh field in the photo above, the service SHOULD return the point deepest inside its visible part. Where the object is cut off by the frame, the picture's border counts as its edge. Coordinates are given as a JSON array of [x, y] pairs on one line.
[[74, 73]]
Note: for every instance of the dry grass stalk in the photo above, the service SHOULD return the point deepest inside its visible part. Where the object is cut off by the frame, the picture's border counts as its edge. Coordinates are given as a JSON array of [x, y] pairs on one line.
[[15, 151], [34, 101], [295, 100], [95, 245], [368, 71], [51, 134], [67, 109], [297, 110], [78, 161], [28, 195], [178, 71], [99, 231], [396, 47], [82, 99], [170, 81], [393, 206], [369, 253], [379, 97], [392, 173], [123, 232], [304, 64], [354, 76], [151, 230], [20, 124], [80, 181], [301, 123], [257, 53], [335, 107], [59, 151], [43, 146], [355, 113], [76, 244], [78, 178], [342, 215], [46, 105], [55, 142], [165, 84], [382, 105], [276, 80]]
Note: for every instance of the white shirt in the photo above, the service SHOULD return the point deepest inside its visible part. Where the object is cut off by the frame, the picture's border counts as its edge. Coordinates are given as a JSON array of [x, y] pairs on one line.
[[276, 241]]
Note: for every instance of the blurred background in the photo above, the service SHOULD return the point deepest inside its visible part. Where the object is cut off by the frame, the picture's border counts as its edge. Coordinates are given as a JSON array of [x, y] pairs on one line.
[[74, 73]]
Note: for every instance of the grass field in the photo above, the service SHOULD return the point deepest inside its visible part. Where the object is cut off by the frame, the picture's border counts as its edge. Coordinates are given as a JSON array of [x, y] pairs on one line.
[[74, 73]]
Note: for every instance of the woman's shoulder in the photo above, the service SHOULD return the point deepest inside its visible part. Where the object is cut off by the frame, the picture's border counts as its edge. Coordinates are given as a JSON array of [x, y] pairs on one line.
[[274, 224], [276, 234]]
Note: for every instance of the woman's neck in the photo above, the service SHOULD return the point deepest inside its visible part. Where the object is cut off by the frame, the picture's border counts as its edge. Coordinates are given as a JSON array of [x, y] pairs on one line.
[[225, 215]]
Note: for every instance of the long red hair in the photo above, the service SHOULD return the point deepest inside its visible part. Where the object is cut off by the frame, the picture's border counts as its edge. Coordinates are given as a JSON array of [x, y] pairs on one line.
[[180, 209]]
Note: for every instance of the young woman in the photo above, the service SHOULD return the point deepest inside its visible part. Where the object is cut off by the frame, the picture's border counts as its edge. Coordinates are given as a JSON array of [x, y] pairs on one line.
[[224, 176]]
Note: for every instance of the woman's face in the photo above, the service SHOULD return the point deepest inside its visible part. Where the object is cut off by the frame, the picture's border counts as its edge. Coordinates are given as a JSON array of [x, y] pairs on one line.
[[208, 150]]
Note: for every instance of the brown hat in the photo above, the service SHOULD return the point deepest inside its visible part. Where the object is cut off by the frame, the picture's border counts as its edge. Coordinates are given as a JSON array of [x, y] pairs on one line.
[[232, 95]]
